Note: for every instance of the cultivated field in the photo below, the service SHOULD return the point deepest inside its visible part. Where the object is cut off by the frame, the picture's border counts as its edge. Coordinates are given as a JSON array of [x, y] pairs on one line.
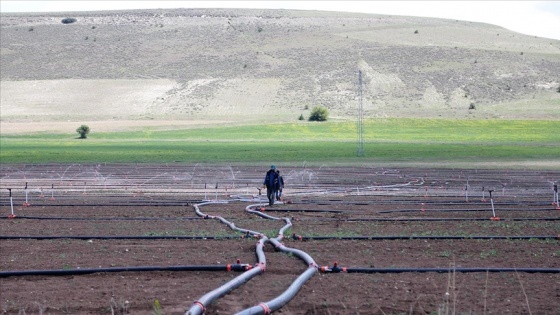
[[421, 243]]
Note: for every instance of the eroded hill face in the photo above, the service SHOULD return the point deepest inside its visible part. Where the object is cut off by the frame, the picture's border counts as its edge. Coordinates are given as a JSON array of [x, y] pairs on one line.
[[269, 65]]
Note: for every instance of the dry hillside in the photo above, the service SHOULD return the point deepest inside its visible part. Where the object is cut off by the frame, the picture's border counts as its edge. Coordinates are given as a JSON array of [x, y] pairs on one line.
[[186, 66]]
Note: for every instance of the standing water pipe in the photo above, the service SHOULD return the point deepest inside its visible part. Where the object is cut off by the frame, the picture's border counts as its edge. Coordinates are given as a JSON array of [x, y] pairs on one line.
[[555, 200], [12, 215], [26, 203], [494, 217]]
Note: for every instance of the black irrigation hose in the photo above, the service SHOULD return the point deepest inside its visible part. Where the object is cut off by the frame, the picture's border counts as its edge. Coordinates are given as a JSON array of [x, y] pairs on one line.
[[155, 237], [417, 200], [479, 237], [104, 219], [132, 204], [294, 236], [67, 272], [464, 210], [337, 269], [309, 210], [440, 219], [316, 219]]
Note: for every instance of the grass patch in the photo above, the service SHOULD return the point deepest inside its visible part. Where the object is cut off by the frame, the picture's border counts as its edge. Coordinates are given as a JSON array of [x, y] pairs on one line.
[[387, 140]]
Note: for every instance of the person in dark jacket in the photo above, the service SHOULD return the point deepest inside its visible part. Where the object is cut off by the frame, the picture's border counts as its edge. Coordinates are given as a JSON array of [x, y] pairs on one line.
[[270, 182], [279, 186]]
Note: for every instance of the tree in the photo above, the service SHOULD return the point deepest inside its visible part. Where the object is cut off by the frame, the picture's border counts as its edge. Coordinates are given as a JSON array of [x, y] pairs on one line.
[[319, 113], [83, 130]]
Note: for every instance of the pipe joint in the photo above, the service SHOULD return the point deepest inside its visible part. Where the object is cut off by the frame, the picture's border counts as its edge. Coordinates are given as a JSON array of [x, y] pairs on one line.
[[260, 265], [266, 309], [199, 304]]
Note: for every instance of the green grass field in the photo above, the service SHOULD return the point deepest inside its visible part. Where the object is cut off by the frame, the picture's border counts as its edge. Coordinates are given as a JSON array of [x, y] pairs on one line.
[[424, 141]]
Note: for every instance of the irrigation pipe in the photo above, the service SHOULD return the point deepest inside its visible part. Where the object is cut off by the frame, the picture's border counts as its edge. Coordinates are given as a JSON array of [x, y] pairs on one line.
[[478, 237], [291, 291], [199, 306], [462, 210], [66, 272], [430, 219], [106, 219], [162, 237], [336, 269], [294, 237]]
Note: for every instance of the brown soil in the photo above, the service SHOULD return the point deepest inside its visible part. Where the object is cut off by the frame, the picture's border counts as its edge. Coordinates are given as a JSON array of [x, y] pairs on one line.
[[348, 206]]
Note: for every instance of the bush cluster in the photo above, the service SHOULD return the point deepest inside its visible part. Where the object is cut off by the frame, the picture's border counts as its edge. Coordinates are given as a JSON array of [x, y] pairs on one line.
[[68, 20], [319, 113]]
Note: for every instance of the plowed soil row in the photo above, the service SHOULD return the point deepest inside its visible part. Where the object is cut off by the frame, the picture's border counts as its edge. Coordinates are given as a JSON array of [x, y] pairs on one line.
[[413, 213]]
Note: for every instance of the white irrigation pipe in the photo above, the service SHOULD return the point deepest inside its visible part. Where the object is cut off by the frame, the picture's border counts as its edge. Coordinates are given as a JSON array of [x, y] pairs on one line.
[[11, 204], [199, 306], [555, 200]]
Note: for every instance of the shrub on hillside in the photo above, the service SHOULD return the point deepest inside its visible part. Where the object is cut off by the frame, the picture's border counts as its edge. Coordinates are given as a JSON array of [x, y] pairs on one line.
[[68, 20], [83, 130], [319, 113]]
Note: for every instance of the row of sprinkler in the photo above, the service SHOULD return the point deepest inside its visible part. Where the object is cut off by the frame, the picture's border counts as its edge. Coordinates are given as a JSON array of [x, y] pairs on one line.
[[26, 203]]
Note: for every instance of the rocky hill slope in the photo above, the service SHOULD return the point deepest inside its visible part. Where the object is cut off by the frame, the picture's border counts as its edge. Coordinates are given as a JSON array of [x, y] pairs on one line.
[[236, 65]]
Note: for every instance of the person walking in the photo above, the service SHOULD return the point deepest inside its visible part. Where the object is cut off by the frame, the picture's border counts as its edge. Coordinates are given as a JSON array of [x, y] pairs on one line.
[[279, 186], [270, 182]]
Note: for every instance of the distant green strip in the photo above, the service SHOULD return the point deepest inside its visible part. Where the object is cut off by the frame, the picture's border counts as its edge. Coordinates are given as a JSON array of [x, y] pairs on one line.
[[387, 140]]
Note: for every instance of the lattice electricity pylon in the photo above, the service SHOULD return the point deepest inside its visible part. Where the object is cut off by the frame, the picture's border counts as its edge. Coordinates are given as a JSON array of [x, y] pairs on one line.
[[360, 125]]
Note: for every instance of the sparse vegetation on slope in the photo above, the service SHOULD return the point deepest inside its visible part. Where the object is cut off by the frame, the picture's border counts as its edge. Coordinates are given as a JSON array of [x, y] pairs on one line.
[[245, 64]]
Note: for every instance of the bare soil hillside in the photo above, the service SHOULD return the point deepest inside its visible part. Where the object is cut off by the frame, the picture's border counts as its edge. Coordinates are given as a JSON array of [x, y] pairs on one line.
[[267, 65]]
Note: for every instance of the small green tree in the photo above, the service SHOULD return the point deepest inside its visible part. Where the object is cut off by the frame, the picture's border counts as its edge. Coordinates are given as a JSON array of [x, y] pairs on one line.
[[301, 117], [83, 130], [319, 113]]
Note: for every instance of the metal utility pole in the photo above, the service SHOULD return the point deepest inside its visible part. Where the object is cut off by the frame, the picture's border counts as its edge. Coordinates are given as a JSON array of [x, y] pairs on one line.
[[360, 116]]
